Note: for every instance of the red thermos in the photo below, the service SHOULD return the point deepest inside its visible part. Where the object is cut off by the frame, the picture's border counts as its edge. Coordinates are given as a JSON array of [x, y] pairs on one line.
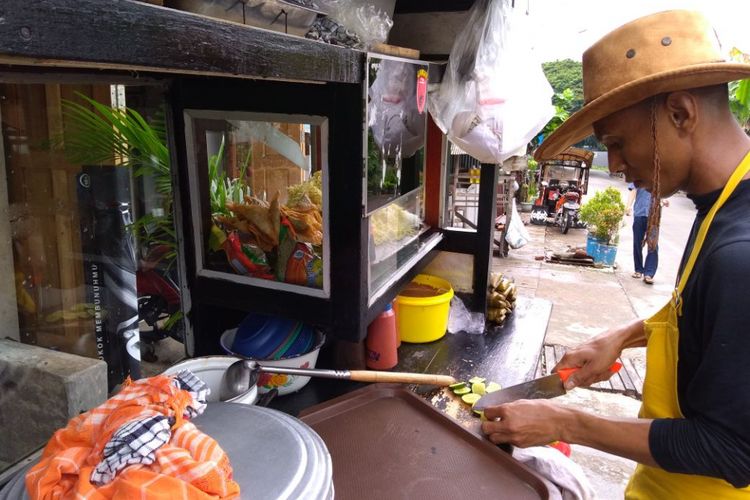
[[382, 341]]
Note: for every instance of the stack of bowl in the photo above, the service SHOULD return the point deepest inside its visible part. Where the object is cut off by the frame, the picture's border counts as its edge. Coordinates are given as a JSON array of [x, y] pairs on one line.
[[275, 341]]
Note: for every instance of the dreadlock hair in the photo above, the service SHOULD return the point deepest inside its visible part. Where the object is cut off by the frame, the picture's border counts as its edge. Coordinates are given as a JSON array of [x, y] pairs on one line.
[[654, 213]]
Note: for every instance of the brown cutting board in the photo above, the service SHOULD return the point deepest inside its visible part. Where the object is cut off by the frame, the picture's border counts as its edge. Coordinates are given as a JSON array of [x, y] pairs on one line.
[[387, 442]]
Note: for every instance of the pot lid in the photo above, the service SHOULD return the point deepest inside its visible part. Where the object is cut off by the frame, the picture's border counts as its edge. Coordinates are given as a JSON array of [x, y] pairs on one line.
[[273, 455]]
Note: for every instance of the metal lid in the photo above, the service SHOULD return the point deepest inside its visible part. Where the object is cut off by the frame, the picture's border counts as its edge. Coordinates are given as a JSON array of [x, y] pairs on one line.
[[273, 455], [15, 489]]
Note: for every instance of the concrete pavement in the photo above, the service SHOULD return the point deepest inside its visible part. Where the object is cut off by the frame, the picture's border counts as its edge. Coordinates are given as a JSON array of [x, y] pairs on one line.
[[587, 301]]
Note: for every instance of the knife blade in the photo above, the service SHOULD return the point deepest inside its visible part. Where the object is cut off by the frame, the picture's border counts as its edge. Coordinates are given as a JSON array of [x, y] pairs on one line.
[[541, 388]]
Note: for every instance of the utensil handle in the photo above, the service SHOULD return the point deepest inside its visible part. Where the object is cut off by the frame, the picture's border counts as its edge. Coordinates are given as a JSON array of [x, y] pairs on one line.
[[567, 372], [401, 377], [306, 372]]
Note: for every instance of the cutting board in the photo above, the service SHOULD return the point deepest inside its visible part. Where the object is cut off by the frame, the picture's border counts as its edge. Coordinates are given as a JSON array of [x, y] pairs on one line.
[[387, 442]]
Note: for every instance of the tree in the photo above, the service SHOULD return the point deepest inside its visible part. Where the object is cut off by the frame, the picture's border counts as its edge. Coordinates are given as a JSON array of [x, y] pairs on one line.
[[739, 93], [562, 75]]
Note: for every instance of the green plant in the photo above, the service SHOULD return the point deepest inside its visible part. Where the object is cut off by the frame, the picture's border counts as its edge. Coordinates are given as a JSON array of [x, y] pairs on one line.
[[222, 188], [603, 213], [532, 190], [98, 134]]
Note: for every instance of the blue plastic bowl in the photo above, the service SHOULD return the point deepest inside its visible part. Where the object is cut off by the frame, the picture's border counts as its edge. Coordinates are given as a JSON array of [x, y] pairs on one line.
[[268, 337]]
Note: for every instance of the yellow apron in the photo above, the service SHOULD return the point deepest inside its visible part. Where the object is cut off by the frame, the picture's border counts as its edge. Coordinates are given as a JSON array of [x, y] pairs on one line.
[[660, 386]]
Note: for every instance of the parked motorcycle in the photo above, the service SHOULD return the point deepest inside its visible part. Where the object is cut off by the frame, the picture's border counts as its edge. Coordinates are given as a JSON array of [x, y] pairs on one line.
[[568, 206], [158, 303], [563, 182]]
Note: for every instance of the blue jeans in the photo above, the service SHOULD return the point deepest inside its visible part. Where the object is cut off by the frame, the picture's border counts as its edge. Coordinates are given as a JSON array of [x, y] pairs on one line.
[[640, 224]]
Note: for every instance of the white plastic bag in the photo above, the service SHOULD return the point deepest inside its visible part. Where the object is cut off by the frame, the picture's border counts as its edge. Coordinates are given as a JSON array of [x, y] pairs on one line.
[[369, 23], [461, 319], [516, 234], [494, 97]]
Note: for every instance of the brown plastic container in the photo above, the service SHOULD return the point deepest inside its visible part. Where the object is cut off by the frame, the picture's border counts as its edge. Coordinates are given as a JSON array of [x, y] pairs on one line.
[[387, 442]]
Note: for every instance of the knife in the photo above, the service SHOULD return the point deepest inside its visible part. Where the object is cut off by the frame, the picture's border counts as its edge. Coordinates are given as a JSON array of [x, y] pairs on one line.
[[541, 388]]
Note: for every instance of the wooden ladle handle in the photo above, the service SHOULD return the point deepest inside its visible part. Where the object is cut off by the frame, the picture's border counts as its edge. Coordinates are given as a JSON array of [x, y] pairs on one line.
[[401, 377]]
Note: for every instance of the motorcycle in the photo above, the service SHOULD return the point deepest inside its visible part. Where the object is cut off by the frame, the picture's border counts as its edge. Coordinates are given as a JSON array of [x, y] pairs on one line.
[[567, 207], [158, 303], [563, 181]]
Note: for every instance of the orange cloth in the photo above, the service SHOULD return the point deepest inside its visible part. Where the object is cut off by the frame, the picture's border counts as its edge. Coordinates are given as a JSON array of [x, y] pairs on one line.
[[190, 466]]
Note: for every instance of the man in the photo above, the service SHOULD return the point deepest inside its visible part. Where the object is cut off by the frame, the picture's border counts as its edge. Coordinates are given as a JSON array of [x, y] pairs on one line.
[[639, 202], [656, 96]]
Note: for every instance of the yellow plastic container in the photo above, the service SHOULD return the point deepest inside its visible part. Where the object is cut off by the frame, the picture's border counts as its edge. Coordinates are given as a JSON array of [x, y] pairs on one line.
[[424, 319]]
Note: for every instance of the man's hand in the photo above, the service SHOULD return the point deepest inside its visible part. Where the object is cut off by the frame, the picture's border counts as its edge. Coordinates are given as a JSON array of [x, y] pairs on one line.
[[596, 356], [537, 422], [629, 212], [525, 423]]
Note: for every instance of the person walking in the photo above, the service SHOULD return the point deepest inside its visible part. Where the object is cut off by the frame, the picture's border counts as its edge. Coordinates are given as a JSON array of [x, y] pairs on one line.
[[639, 202]]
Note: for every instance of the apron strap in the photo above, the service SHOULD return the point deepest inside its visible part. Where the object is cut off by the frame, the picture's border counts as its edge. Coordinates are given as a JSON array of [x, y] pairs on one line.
[[742, 169]]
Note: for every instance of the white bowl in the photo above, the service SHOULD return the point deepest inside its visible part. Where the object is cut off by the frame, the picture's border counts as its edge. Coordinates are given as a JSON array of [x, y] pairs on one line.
[[285, 383], [211, 369]]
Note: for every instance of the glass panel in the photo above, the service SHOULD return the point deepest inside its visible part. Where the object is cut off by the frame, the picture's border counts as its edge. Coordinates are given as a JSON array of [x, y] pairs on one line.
[[394, 237], [86, 228], [396, 125], [461, 189], [264, 191]]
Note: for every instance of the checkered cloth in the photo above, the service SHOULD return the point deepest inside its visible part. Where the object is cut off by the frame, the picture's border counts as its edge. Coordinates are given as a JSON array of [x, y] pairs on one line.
[[136, 441], [199, 391], [133, 443]]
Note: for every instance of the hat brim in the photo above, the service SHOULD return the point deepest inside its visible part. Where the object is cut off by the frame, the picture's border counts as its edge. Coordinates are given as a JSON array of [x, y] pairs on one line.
[[580, 124]]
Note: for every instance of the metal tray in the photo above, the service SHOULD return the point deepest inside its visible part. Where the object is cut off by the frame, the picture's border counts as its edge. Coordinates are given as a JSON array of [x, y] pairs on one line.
[[387, 442]]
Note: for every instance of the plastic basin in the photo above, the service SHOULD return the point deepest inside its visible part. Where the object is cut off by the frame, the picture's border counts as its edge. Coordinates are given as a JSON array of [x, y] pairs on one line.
[[285, 383], [210, 369], [424, 319]]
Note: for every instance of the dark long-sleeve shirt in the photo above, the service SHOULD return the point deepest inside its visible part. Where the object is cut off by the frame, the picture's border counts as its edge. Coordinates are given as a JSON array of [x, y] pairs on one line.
[[713, 371]]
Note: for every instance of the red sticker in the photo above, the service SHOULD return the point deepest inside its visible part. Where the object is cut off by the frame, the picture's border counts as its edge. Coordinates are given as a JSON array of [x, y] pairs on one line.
[[421, 90]]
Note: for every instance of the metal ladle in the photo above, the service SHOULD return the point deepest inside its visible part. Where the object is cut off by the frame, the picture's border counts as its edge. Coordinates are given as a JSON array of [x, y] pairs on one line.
[[243, 373]]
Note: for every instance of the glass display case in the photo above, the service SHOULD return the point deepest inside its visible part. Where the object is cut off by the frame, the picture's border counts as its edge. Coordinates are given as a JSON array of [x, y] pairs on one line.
[[395, 139], [260, 179], [395, 232], [396, 128]]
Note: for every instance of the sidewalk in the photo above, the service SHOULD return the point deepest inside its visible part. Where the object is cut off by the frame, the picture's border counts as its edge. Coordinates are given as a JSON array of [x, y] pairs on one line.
[[587, 301]]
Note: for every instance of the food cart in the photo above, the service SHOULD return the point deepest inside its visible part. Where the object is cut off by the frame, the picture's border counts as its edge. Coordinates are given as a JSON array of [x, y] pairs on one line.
[[283, 126]]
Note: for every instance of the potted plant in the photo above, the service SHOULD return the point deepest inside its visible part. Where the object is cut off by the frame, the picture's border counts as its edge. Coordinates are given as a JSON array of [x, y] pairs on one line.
[[530, 188], [603, 215]]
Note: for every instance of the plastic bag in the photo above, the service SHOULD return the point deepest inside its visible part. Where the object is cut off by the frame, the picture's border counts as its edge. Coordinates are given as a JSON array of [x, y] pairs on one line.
[[494, 97], [368, 22], [461, 319], [516, 234]]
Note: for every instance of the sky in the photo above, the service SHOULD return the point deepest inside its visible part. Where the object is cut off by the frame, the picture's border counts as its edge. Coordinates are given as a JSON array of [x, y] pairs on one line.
[[565, 28]]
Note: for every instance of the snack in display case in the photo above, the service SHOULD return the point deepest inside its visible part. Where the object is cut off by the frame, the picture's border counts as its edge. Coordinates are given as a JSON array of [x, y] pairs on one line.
[[265, 192], [395, 231]]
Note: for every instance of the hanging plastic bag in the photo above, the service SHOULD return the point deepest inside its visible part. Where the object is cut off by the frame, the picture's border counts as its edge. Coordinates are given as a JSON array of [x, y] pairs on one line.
[[516, 234], [365, 20], [494, 97]]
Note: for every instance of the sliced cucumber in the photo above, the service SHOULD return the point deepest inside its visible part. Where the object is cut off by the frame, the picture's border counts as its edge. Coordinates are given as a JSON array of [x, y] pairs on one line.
[[471, 398], [492, 387], [478, 388], [458, 385], [462, 390]]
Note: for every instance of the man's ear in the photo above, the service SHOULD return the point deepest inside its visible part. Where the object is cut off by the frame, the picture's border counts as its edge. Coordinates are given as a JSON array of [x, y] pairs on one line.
[[682, 111]]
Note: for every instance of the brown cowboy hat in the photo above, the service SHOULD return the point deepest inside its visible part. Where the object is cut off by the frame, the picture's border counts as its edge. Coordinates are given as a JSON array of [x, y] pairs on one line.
[[664, 52]]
